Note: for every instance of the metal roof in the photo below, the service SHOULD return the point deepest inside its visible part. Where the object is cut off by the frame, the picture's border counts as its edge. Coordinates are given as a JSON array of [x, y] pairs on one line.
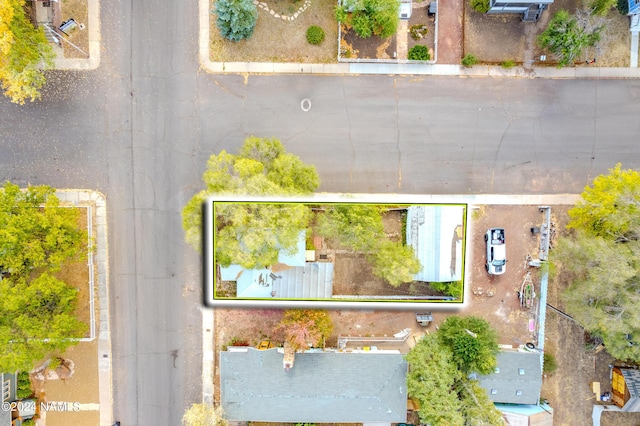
[[322, 387], [432, 232]]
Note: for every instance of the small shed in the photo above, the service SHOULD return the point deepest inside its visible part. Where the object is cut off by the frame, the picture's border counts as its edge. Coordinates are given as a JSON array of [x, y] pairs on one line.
[[625, 385]]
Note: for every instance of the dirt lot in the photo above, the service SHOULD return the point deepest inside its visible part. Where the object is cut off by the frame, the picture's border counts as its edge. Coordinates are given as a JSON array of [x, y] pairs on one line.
[[484, 36], [492, 298], [278, 40]]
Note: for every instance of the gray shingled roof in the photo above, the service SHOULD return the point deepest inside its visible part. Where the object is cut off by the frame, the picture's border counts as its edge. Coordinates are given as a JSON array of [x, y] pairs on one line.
[[321, 387], [632, 380], [508, 385]]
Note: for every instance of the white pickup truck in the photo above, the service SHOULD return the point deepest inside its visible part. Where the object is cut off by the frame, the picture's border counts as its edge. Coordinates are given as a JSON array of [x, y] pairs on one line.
[[496, 251]]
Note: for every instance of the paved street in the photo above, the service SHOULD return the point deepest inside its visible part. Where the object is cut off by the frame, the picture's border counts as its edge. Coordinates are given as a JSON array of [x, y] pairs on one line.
[[142, 126]]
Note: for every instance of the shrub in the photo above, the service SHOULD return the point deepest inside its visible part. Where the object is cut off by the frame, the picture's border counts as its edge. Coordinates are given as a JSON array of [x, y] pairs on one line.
[[602, 7], [623, 7], [369, 17], [419, 53], [418, 31], [236, 18], [469, 60], [508, 64], [315, 34], [23, 389], [550, 364], [481, 6]]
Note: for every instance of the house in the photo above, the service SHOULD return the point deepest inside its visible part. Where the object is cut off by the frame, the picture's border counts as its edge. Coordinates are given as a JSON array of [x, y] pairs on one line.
[[9, 385], [530, 9], [435, 232], [625, 385], [527, 414], [293, 277], [515, 386], [634, 15], [322, 387], [517, 378]]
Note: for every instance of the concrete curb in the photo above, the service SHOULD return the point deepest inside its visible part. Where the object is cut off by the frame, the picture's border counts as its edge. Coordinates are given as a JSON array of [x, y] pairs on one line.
[[208, 356], [80, 197], [95, 38], [358, 68]]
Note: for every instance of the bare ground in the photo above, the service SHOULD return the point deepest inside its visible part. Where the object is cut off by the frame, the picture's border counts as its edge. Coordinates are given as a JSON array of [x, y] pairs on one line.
[[484, 36], [277, 40], [492, 298], [76, 9]]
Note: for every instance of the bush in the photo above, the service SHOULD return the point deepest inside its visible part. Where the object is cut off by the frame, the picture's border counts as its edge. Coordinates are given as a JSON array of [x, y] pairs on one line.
[[370, 17], [315, 34], [508, 64], [419, 53], [623, 7], [236, 18], [550, 364], [481, 6], [23, 389], [469, 60], [418, 31]]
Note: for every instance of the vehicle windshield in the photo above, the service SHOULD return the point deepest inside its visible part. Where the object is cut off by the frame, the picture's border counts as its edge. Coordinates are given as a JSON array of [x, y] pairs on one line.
[[499, 262]]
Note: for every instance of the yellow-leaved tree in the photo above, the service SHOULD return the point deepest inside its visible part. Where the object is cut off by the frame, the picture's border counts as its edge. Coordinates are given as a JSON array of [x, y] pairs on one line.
[[24, 53]]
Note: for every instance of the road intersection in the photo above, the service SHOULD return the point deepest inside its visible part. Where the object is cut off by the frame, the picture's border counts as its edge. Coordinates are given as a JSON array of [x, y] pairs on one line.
[[141, 126]]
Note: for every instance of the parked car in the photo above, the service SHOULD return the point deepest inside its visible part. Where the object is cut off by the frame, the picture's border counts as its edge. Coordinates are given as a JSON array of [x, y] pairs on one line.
[[496, 251]]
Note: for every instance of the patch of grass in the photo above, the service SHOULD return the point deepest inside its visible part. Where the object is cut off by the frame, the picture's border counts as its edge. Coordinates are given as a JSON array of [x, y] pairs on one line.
[[469, 60], [508, 64], [279, 40], [550, 364]]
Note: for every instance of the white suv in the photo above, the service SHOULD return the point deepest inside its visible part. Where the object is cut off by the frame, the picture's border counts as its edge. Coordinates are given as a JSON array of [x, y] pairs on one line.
[[496, 251]]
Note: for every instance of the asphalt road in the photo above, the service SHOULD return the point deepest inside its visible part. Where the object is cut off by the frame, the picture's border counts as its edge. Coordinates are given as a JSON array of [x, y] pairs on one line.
[[142, 126]]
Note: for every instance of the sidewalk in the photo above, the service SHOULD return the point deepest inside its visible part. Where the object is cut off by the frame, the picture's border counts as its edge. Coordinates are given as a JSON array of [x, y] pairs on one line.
[[101, 259]]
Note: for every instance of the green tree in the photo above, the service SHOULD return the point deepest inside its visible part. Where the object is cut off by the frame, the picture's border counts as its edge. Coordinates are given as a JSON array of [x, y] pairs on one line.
[[473, 342], [302, 327], [566, 38], [36, 317], [357, 226], [252, 235], [236, 18], [431, 381], [24, 53], [600, 261], [370, 17], [360, 227], [395, 262], [204, 415], [604, 289], [35, 232], [477, 407], [602, 7], [263, 167]]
